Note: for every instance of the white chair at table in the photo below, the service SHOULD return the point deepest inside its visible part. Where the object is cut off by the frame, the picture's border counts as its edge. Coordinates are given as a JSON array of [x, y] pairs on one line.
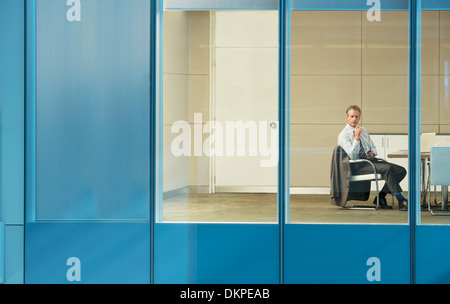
[[440, 174], [375, 177]]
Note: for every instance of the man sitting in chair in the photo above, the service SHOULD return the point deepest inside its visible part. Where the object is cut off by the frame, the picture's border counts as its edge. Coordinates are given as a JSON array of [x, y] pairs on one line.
[[357, 143]]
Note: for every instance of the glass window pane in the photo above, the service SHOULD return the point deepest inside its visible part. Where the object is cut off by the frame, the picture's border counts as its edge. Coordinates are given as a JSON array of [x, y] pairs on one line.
[[435, 111], [341, 58], [219, 128]]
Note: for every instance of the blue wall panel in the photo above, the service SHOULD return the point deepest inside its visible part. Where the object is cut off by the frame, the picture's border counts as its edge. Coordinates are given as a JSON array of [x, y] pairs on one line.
[[11, 111], [216, 253], [338, 254], [12, 139], [2, 252], [108, 252], [432, 248]]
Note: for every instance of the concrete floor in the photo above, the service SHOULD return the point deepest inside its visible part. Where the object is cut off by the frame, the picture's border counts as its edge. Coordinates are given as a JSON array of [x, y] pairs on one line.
[[262, 207]]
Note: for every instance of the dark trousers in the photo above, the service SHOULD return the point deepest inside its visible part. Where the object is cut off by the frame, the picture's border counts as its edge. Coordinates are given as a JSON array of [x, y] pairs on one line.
[[393, 174]]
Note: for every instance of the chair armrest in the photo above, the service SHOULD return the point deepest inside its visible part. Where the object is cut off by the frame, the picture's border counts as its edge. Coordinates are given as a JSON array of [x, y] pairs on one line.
[[361, 161]]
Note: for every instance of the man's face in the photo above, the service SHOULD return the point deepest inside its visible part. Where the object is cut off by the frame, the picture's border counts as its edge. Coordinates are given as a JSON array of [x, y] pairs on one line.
[[353, 118]]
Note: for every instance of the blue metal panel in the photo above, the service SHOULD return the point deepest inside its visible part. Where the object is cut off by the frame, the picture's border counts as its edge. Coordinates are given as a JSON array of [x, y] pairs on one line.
[[11, 111], [14, 254], [87, 107], [112, 253], [30, 110], [433, 244], [331, 5], [335, 254], [216, 253], [2, 252]]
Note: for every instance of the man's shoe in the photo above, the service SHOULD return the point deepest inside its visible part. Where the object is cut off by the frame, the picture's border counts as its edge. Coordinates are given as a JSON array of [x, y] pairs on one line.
[[403, 205], [383, 203]]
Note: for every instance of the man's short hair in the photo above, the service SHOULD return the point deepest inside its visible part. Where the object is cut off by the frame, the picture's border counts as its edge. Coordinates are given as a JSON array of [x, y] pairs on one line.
[[354, 108]]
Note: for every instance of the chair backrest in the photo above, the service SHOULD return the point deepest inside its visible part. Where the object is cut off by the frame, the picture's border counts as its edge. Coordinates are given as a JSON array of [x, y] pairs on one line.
[[427, 141], [440, 166]]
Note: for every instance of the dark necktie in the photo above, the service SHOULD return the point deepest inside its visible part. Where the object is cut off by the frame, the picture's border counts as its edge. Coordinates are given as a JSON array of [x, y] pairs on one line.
[[362, 153]]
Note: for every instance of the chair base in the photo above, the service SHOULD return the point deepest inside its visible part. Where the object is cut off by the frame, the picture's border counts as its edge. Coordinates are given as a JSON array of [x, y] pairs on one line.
[[442, 212], [356, 207]]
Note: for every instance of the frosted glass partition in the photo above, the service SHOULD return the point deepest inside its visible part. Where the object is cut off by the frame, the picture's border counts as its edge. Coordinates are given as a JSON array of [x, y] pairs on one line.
[[92, 110]]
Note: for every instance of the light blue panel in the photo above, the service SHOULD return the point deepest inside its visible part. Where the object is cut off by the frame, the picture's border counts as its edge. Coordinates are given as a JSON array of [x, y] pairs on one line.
[[339, 254], [112, 253], [11, 111], [2, 252], [220, 4], [432, 248], [440, 166], [435, 5], [347, 5], [14, 254], [92, 110], [216, 253]]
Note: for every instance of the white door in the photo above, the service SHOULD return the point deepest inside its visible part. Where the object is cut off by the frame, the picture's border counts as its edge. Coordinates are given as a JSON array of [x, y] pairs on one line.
[[246, 100]]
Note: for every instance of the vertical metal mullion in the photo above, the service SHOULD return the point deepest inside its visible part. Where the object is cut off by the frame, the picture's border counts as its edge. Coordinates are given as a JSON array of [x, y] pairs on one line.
[[29, 119], [414, 125], [152, 150], [283, 191]]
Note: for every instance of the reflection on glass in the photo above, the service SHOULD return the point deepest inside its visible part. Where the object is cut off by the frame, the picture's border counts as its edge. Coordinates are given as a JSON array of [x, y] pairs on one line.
[[435, 109], [219, 124], [338, 59]]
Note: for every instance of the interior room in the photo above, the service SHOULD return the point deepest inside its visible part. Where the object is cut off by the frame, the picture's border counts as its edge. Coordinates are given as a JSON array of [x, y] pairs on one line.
[[221, 67]]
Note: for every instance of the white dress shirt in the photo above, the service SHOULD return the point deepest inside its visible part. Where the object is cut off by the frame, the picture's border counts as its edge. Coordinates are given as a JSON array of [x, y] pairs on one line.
[[347, 141]]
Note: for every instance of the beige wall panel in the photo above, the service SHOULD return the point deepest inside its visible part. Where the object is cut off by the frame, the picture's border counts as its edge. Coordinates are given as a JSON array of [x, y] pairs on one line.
[[175, 98], [176, 42], [386, 128], [244, 28], [444, 42], [429, 129], [385, 44], [310, 154], [175, 169], [199, 96], [444, 104], [199, 32], [430, 42], [398, 129], [445, 129], [429, 99], [385, 100], [323, 99], [326, 42]]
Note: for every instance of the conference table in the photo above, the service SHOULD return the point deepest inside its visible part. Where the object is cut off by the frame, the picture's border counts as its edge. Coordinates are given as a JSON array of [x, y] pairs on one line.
[[425, 171]]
